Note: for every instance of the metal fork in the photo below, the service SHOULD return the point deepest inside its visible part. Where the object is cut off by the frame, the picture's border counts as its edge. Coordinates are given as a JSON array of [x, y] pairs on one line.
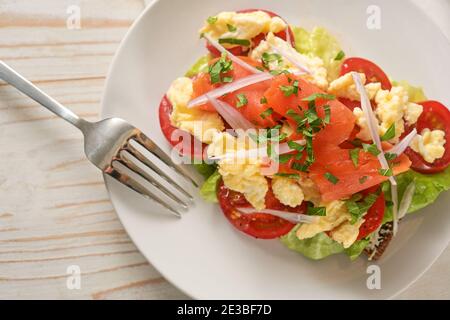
[[111, 141]]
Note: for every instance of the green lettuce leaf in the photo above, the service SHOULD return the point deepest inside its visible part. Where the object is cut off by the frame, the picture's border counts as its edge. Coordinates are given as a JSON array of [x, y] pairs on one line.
[[356, 248], [415, 94], [209, 189], [319, 43], [206, 170], [201, 65], [428, 188], [318, 247]]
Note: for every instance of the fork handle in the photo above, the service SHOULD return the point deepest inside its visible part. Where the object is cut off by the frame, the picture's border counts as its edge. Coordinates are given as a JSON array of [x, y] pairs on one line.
[[23, 85]]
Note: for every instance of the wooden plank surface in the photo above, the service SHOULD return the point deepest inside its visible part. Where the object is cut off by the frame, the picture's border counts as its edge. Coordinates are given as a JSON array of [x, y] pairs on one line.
[[54, 209]]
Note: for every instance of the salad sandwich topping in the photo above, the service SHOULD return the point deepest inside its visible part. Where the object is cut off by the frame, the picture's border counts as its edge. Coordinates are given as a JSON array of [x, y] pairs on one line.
[[326, 152]]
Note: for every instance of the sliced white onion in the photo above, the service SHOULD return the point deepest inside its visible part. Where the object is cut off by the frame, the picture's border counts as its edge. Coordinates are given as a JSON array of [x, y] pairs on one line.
[[233, 58], [289, 216], [406, 200], [402, 145], [233, 117], [292, 56], [372, 123], [230, 87]]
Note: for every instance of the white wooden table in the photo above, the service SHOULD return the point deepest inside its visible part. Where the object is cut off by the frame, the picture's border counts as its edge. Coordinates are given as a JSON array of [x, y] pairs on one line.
[[54, 209]]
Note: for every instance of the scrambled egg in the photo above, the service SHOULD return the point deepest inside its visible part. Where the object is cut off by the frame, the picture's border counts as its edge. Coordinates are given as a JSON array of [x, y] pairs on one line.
[[344, 87], [392, 106], [429, 144], [310, 190], [337, 221], [318, 74], [336, 215], [346, 233], [243, 25], [241, 175], [202, 124], [288, 191]]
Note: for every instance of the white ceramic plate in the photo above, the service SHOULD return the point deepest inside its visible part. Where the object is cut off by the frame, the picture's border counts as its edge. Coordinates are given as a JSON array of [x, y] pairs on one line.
[[202, 254]]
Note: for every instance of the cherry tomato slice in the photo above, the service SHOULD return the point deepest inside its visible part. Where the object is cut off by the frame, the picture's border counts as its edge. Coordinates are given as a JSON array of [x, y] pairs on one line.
[[373, 72], [241, 51], [258, 225], [194, 147], [374, 215], [434, 116]]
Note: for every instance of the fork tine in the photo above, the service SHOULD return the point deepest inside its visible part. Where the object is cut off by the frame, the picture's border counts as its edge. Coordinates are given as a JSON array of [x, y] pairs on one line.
[[148, 144], [133, 167], [137, 187], [138, 155]]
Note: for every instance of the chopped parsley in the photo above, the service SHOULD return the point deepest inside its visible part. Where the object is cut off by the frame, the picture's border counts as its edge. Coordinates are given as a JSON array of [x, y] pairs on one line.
[[327, 117], [288, 175], [239, 42], [339, 56], [231, 28], [363, 179], [211, 20], [386, 172], [316, 211], [220, 67], [299, 166], [330, 177], [278, 72], [389, 134], [315, 96], [354, 155], [267, 58], [290, 90], [284, 158], [241, 100], [263, 100], [266, 113], [295, 146], [371, 148], [357, 206], [390, 156]]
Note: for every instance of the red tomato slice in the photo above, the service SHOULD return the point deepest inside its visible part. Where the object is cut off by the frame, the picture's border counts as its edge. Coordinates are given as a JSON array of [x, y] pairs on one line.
[[374, 215], [373, 72], [258, 225], [239, 50], [194, 148], [434, 116]]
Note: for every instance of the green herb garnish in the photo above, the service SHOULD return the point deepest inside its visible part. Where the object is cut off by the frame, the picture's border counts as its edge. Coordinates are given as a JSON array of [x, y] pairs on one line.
[[239, 42], [241, 100], [220, 67], [267, 58], [263, 100], [295, 146], [288, 175], [339, 56], [371, 148], [231, 28], [315, 96], [266, 113], [330, 177], [389, 134], [363, 179], [354, 155], [316, 211], [386, 172], [211, 20]]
